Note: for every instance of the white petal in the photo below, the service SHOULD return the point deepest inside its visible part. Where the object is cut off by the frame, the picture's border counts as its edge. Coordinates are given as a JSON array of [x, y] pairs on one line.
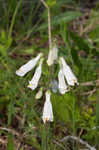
[[34, 82], [50, 58], [53, 55], [28, 66], [47, 110], [69, 75], [55, 52], [62, 84]]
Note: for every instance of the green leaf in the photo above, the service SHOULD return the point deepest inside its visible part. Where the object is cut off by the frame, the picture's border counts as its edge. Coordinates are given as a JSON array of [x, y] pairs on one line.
[[66, 17], [3, 36], [8, 42], [29, 51], [76, 59], [10, 145], [80, 42], [59, 3], [3, 50], [43, 133], [97, 110], [65, 34], [51, 3], [94, 34], [11, 111], [5, 43], [63, 107]]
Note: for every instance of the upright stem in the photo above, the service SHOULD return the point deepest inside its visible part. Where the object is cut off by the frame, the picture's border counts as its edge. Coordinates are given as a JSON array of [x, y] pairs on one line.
[[73, 119], [49, 24], [49, 29]]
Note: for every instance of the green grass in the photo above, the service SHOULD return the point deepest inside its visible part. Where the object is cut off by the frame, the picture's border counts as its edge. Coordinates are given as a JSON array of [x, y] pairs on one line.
[[23, 35]]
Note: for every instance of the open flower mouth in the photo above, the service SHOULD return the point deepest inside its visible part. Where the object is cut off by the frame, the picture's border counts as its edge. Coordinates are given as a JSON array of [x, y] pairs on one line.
[[46, 119]]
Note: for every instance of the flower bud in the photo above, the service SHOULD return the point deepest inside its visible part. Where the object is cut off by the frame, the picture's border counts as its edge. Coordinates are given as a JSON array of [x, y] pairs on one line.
[[39, 94]]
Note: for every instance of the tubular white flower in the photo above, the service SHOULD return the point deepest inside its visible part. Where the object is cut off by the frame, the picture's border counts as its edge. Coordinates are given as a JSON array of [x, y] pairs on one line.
[[69, 75], [62, 84], [39, 94], [53, 55], [28, 66], [47, 110], [34, 82]]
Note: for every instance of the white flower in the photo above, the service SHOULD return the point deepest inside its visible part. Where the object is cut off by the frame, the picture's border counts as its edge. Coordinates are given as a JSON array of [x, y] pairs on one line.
[[47, 110], [39, 94], [28, 66], [62, 84], [34, 82], [69, 75], [53, 55]]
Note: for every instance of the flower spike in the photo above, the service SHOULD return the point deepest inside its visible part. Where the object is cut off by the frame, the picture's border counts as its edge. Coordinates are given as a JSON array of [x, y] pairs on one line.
[[28, 66], [47, 110]]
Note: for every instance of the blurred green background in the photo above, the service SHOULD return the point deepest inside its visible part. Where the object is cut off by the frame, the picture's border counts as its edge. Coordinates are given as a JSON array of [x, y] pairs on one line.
[[23, 34]]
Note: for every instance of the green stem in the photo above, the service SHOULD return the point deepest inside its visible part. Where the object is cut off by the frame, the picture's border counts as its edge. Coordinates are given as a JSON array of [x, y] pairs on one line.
[[73, 120], [43, 146], [49, 23]]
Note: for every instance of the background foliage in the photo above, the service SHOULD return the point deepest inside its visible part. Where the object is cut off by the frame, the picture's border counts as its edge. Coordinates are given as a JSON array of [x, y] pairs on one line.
[[23, 35]]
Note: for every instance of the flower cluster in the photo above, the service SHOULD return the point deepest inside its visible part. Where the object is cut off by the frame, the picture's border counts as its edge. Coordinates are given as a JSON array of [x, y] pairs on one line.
[[28, 67], [65, 72], [65, 77]]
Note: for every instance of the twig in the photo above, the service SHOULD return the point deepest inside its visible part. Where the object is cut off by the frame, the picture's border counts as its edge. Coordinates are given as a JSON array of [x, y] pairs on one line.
[[44, 3], [10, 130], [79, 140], [18, 146], [79, 137], [3, 141], [60, 145], [90, 83], [84, 149], [89, 92], [94, 128]]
